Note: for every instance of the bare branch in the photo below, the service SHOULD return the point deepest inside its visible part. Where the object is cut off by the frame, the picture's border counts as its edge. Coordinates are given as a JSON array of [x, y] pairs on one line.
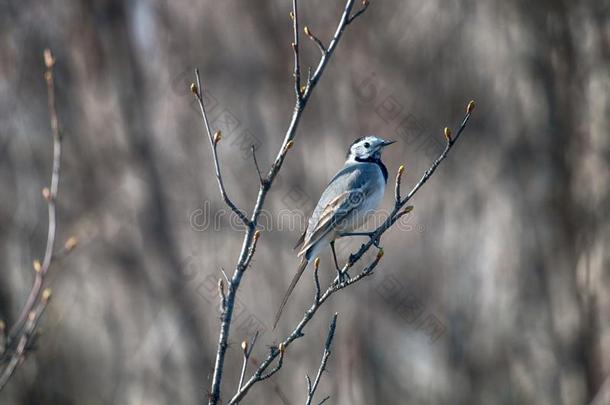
[[247, 250], [14, 345], [15, 357], [247, 352], [258, 169], [295, 49], [281, 350], [297, 332], [214, 141], [311, 389], [324, 400], [316, 266], [224, 274]]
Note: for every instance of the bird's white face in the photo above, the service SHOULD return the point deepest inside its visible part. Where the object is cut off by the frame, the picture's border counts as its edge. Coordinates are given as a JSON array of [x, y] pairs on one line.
[[367, 148]]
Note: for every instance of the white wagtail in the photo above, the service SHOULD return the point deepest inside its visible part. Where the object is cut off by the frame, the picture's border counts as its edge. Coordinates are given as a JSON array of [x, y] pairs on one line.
[[351, 196]]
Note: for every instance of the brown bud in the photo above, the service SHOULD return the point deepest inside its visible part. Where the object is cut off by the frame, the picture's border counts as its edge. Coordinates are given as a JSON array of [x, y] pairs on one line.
[[401, 170], [289, 145], [32, 316], [49, 59], [408, 209], [244, 346], [281, 348], [46, 294], [470, 107], [257, 235], [380, 254], [365, 2], [291, 14], [303, 88], [194, 88], [70, 243], [316, 262], [217, 137], [37, 266], [307, 31], [448, 134], [46, 193], [221, 286]]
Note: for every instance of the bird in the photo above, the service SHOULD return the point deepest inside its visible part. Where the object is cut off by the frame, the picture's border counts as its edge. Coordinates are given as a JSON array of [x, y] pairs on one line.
[[351, 196]]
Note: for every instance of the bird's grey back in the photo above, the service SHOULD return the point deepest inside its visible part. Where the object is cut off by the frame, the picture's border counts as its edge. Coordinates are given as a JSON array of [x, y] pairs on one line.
[[353, 176]]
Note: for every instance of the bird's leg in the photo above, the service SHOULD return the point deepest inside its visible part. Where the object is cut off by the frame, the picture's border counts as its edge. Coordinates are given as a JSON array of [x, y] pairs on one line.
[[369, 234], [340, 275]]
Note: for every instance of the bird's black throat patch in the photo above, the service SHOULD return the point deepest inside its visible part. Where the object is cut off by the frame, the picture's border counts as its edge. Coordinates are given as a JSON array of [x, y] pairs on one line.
[[377, 161]]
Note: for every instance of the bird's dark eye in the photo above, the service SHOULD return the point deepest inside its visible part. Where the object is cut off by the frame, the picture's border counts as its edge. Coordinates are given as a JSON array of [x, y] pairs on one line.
[[367, 145]]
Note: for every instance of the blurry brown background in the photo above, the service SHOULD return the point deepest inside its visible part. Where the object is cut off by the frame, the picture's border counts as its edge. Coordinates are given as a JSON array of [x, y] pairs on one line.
[[506, 252]]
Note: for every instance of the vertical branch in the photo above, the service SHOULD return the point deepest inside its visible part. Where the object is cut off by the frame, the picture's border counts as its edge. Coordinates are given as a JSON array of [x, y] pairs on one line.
[[295, 48], [247, 349], [49, 195], [311, 389], [316, 279], [401, 170], [14, 345], [247, 249]]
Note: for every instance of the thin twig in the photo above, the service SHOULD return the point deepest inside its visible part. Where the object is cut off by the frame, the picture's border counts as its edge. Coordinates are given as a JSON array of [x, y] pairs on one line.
[[258, 169], [214, 140], [311, 388], [281, 350], [401, 170], [295, 48], [50, 195], [224, 274], [316, 279], [247, 351], [31, 312], [324, 400], [316, 40], [276, 387]]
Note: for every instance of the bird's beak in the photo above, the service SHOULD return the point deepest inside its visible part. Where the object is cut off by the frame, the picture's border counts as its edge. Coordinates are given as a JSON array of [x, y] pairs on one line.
[[387, 143]]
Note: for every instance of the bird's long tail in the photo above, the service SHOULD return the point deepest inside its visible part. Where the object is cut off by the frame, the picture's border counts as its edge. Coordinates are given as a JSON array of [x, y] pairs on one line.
[[293, 284]]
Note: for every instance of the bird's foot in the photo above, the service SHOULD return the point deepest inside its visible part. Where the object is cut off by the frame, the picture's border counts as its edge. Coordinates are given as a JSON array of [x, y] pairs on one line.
[[342, 276]]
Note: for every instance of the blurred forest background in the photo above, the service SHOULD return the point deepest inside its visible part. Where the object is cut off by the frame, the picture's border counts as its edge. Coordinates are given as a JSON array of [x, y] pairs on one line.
[[507, 250]]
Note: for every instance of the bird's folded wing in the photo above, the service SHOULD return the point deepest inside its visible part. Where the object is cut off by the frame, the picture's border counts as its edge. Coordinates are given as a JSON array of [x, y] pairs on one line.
[[335, 211]]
